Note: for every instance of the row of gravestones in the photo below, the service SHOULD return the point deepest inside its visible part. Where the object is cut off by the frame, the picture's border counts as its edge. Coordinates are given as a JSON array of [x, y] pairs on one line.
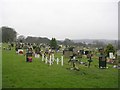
[[50, 59]]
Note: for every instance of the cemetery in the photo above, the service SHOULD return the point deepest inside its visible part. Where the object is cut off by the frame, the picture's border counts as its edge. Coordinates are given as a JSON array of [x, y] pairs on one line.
[[27, 65], [66, 44]]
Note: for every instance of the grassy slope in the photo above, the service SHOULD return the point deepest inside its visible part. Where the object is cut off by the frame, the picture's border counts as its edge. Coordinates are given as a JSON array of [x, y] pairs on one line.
[[18, 73]]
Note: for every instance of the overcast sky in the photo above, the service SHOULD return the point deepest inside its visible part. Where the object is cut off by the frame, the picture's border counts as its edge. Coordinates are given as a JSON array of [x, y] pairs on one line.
[[73, 19]]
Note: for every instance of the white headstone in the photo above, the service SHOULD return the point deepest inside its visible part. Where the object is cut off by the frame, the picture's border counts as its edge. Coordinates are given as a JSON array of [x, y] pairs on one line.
[[53, 57], [50, 61], [61, 60], [57, 61], [42, 57], [111, 55], [37, 55]]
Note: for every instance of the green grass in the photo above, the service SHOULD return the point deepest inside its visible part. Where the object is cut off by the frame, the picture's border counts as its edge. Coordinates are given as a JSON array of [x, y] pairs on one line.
[[19, 74]]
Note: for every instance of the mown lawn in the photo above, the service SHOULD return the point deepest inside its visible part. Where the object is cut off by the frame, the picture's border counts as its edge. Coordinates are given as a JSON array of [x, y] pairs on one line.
[[17, 73]]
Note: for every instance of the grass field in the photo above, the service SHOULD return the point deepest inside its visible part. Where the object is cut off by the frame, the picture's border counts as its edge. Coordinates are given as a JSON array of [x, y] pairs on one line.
[[19, 74]]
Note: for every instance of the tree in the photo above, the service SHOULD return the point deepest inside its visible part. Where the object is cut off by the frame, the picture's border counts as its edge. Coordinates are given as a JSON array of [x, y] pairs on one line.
[[109, 48], [21, 38], [8, 34], [68, 42], [37, 40], [53, 43]]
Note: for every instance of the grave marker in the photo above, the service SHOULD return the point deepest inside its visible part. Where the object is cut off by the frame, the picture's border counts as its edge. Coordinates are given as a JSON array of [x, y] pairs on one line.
[[42, 57], [61, 60], [46, 60], [111, 55], [37, 55], [53, 57], [57, 60], [50, 60]]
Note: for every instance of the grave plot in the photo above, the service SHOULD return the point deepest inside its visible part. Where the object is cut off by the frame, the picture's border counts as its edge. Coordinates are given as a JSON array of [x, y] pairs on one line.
[[43, 74]]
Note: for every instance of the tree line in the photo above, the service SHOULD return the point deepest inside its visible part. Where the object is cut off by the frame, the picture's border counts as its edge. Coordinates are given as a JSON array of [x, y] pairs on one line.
[[10, 35]]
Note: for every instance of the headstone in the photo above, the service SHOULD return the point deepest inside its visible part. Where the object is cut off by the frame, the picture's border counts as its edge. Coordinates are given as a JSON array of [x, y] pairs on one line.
[[111, 55], [37, 55], [46, 60], [50, 61], [61, 60], [30, 59], [86, 52], [29, 56], [53, 57], [89, 61], [20, 51], [102, 61], [42, 57], [57, 60]]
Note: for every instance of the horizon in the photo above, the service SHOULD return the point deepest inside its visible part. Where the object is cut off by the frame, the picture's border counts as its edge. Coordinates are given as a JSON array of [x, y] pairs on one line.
[[67, 38]]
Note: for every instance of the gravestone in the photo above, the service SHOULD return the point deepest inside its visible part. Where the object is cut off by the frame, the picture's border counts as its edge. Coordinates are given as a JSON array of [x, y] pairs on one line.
[[102, 58], [50, 62], [20, 51], [111, 55], [61, 60], [42, 57], [102, 61], [57, 61], [46, 60], [29, 56], [52, 57], [37, 55]]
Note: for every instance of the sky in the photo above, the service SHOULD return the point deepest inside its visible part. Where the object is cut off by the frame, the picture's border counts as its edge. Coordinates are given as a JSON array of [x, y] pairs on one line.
[[73, 19]]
